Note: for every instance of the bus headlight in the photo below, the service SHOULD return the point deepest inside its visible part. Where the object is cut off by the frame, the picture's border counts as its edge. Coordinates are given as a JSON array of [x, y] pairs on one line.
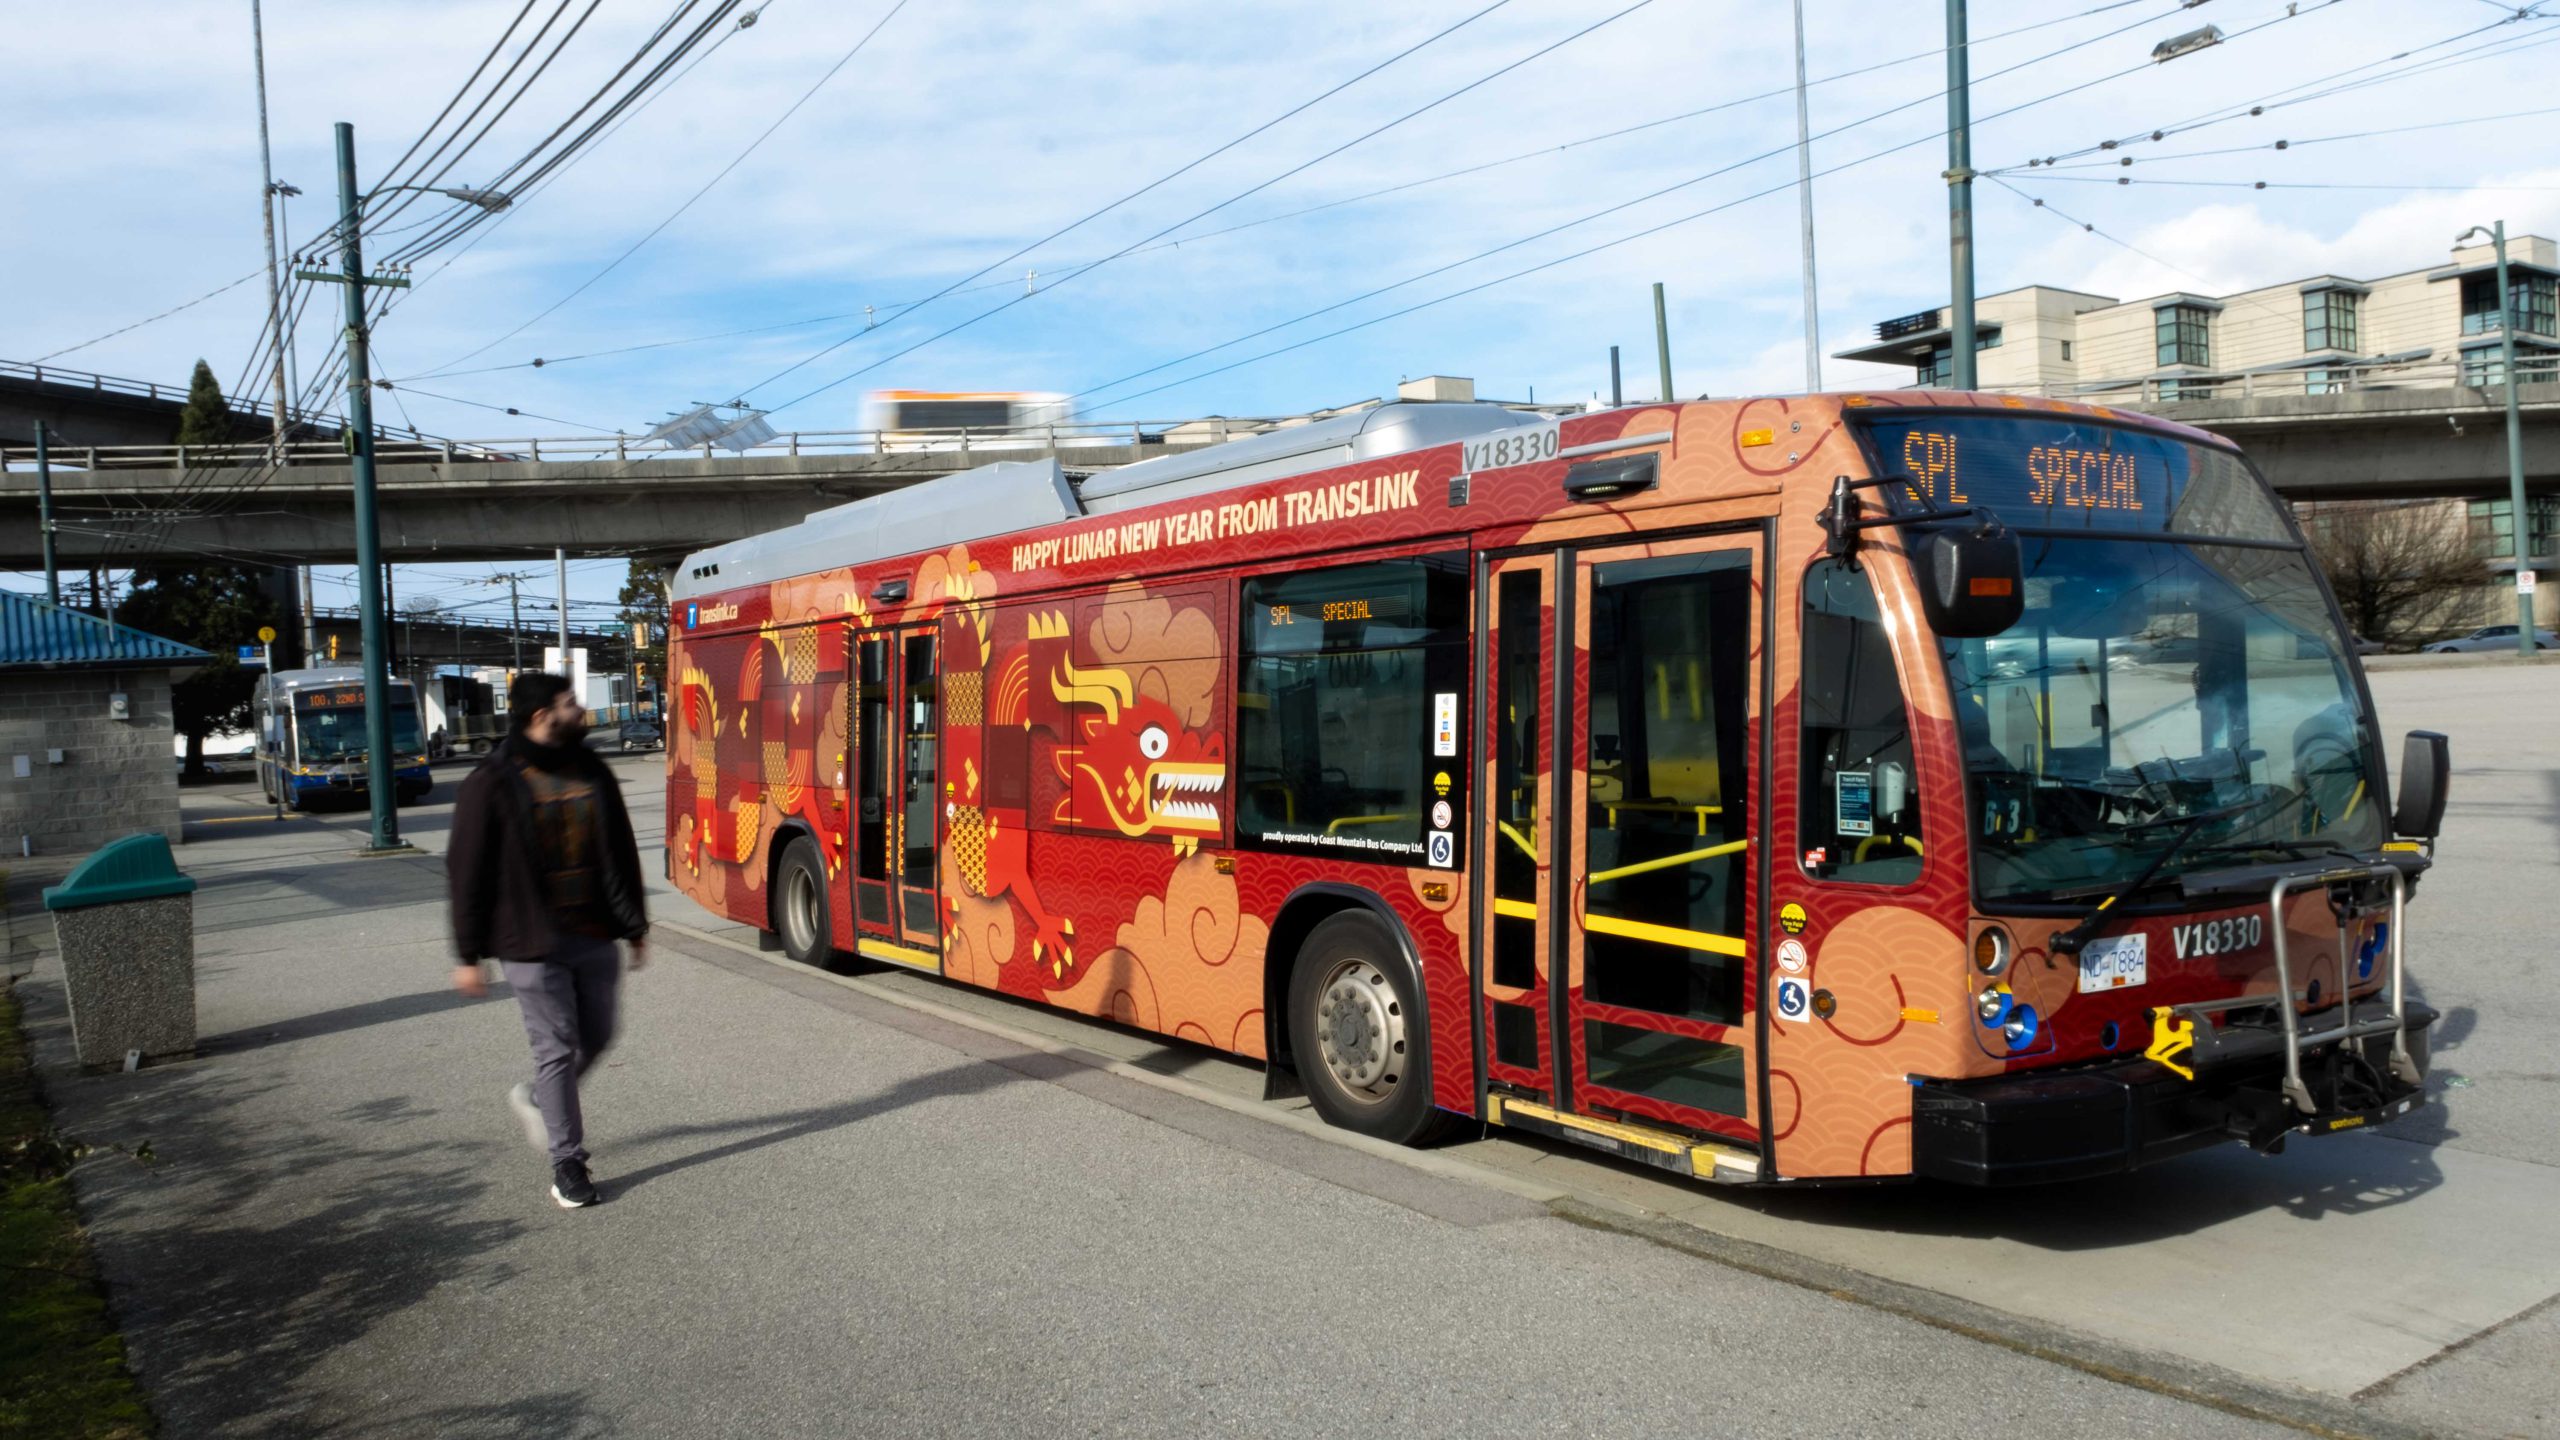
[[2021, 1027], [1991, 950], [1992, 1006]]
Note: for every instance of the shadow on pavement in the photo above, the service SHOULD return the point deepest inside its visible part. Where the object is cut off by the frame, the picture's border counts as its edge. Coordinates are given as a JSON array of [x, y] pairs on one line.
[[2314, 1178], [969, 1078], [347, 1017], [563, 1415]]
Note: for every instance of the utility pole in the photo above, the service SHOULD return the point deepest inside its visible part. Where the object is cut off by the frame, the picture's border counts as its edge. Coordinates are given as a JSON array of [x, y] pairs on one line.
[[44, 518], [1804, 213], [515, 630], [1662, 341], [560, 560], [1617, 392], [310, 622], [267, 207], [377, 679], [1959, 199]]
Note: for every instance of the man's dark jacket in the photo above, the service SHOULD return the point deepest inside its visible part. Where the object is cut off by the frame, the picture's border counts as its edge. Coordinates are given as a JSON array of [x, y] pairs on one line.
[[494, 872]]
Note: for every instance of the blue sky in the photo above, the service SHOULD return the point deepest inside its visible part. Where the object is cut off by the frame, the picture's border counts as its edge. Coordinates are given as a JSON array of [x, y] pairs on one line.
[[967, 129]]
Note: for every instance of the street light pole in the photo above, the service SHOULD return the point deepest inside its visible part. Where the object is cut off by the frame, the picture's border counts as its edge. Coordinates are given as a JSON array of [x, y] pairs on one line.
[[1804, 216], [560, 559], [1959, 200], [44, 518], [2522, 532], [267, 205]]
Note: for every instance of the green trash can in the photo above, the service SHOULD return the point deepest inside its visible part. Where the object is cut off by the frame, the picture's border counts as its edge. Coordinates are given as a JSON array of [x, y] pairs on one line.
[[126, 920]]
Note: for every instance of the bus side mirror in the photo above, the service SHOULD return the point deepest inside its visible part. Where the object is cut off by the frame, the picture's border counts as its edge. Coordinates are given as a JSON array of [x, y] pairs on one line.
[[1972, 581], [2426, 768]]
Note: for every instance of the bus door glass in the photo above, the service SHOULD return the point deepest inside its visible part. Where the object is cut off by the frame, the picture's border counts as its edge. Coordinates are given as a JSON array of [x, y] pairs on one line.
[[919, 791], [872, 744], [1639, 780]]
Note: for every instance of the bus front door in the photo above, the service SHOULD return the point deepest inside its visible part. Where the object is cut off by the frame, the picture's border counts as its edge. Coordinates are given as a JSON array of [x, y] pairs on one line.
[[1622, 687], [896, 773]]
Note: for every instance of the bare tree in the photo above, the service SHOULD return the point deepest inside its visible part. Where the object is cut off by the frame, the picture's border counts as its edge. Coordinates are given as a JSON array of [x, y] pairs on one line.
[[2404, 571]]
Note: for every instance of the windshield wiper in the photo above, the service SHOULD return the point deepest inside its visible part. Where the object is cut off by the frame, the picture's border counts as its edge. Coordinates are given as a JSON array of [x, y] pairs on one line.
[[2068, 942], [2086, 928]]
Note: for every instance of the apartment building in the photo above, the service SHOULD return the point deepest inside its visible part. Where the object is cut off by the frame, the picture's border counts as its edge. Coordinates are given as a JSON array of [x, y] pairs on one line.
[[2436, 327]]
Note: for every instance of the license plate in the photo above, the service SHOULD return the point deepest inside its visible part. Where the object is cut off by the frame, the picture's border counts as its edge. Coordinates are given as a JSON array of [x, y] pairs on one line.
[[2114, 964]]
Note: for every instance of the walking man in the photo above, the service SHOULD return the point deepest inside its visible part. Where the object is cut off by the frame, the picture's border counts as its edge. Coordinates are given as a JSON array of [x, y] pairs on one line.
[[544, 878]]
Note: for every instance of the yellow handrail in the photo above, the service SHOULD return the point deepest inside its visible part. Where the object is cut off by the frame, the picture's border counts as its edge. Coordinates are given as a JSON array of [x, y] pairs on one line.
[[1526, 848], [1335, 827], [1665, 862], [1859, 856]]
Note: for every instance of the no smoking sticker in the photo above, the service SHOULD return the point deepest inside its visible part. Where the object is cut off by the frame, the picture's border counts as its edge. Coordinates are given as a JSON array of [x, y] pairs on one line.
[[1792, 957]]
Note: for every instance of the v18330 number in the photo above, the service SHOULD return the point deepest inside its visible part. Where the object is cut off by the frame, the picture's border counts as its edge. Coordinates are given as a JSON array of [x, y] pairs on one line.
[[2219, 937], [1523, 446]]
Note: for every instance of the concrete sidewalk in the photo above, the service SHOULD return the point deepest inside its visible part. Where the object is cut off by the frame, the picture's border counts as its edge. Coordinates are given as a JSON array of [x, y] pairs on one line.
[[835, 1215]]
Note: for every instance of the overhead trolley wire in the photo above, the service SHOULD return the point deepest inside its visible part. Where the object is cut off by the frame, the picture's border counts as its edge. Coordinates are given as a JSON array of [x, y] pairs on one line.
[[149, 319], [806, 96], [1640, 234], [521, 184], [2289, 96], [1651, 195], [1266, 184], [895, 308], [1176, 173]]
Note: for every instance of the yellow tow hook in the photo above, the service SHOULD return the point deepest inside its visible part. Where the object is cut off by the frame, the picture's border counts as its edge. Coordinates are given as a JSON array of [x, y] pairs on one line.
[[2168, 1040]]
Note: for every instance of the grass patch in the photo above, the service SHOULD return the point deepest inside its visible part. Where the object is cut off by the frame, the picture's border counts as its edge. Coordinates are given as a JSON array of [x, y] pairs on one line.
[[62, 1370]]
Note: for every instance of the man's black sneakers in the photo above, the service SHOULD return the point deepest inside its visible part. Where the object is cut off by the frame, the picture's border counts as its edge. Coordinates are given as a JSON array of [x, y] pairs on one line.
[[570, 1185]]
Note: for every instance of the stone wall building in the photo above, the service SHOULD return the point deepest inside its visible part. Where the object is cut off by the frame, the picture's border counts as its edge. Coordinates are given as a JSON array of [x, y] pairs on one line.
[[85, 727]]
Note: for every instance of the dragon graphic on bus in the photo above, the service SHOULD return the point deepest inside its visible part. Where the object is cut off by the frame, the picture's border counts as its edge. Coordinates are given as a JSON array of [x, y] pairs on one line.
[[1124, 759]]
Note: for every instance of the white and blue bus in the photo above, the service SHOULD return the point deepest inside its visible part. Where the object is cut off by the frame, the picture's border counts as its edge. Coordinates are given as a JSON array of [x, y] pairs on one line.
[[311, 737]]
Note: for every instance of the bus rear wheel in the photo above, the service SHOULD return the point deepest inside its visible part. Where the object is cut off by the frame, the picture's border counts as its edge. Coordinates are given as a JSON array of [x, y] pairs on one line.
[[800, 906], [1359, 1032]]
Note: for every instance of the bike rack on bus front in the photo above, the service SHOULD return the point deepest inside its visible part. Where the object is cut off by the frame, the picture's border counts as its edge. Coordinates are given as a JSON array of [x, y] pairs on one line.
[[2347, 1028]]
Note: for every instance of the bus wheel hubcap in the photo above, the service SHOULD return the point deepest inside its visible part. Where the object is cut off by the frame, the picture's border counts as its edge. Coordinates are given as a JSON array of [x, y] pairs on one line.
[[800, 908], [1360, 1032]]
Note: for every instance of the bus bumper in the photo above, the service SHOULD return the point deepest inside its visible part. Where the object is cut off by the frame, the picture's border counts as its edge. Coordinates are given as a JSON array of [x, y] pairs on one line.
[[2041, 1126]]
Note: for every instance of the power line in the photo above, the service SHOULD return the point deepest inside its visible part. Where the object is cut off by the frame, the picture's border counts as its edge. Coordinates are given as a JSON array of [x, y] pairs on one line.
[[740, 159], [1743, 163], [896, 308], [2282, 145], [2277, 100], [163, 315], [1659, 228], [2279, 184], [1266, 184], [1292, 112]]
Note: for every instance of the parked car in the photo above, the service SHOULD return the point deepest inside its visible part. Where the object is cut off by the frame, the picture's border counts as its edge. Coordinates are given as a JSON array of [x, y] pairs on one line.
[[2364, 646], [2492, 637], [640, 732]]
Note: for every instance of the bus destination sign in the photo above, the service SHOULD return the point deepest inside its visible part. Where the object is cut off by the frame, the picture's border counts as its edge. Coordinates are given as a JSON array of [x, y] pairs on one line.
[[336, 697], [2043, 472]]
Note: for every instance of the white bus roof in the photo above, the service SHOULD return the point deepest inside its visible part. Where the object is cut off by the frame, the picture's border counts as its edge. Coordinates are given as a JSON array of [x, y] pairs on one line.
[[1016, 495]]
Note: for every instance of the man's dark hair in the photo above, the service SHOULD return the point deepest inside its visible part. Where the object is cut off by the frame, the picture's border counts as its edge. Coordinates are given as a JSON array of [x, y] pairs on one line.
[[530, 695]]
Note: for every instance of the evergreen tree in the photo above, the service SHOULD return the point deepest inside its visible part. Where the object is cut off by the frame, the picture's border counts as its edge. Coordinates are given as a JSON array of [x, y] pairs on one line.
[[212, 607], [207, 419], [644, 602]]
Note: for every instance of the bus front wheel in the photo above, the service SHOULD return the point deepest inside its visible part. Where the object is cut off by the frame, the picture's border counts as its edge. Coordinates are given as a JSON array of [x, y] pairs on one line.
[[1359, 1031]]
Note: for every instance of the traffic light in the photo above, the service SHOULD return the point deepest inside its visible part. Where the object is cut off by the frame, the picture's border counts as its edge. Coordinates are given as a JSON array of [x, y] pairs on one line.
[[333, 647]]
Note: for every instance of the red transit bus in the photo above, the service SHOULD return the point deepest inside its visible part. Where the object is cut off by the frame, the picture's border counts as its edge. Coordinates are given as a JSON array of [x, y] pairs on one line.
[[1772, 791]]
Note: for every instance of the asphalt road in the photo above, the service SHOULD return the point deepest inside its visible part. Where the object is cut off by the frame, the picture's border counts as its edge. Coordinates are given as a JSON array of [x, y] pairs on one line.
[[890, 1206]]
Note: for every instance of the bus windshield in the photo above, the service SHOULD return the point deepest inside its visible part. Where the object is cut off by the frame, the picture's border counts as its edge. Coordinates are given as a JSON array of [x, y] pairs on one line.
[[2177, 681], [330, 724]]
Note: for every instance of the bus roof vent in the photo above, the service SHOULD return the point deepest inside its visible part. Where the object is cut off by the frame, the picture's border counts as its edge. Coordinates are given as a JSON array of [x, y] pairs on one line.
[[971, 505]]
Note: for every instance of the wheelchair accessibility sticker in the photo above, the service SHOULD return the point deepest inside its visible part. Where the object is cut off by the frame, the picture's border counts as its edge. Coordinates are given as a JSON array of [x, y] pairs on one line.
[[1795, 997], [1444, 849]]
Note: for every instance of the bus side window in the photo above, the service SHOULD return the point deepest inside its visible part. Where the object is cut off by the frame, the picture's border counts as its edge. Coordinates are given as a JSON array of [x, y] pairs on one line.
[[1858, 810]]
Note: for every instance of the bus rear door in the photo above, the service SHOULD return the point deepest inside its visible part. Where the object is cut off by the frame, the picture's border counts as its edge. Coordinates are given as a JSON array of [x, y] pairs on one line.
[[1619, 847], [896, 698]]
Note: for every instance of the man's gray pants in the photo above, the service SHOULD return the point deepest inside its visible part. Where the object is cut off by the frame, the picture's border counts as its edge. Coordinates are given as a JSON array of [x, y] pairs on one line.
[[568, 1003]]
